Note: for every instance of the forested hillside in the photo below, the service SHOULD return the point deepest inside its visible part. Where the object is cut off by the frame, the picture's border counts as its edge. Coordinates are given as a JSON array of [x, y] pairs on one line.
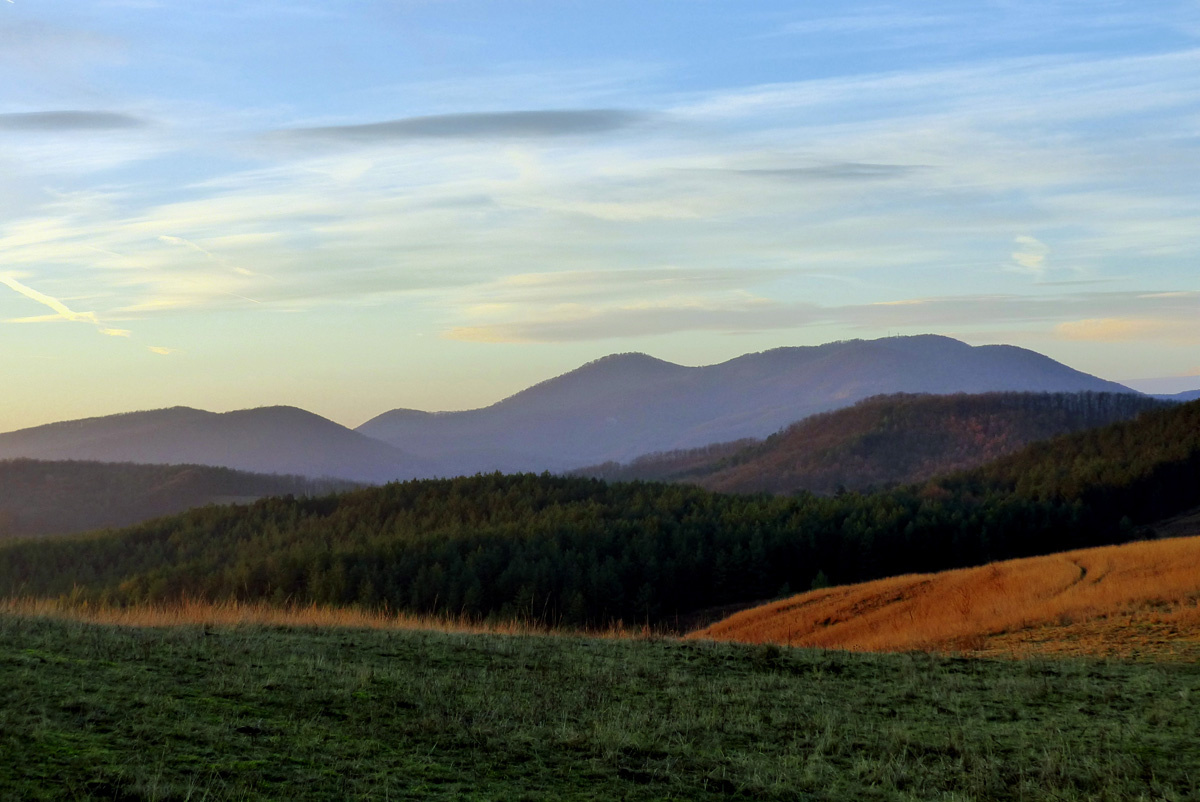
[[580, 551], [885, 440], [1144, 470], [40, 498]]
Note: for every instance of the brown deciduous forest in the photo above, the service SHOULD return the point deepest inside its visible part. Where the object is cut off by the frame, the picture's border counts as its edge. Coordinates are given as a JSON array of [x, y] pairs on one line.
[[883, 441]]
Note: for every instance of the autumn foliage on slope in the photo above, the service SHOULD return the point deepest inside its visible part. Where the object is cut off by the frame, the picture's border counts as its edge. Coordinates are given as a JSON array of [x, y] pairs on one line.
[[885, 440], [1108, 600]]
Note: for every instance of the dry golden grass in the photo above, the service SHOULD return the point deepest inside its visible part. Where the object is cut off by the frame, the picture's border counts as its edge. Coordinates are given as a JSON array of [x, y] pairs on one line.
[[1139, 599], [235, 614], [232, 613]]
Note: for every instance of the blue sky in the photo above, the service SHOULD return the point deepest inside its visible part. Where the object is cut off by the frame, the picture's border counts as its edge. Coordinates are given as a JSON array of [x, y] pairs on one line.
[[352, 207]]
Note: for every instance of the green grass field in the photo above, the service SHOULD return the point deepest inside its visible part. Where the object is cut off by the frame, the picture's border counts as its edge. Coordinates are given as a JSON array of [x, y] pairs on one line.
[[100, 712]]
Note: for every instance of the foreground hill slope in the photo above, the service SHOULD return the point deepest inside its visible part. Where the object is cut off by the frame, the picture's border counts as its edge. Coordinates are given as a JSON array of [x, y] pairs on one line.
[[886, 440], [1128, 599], [283, 440], [310, 713], [626, 405], [39, 498]]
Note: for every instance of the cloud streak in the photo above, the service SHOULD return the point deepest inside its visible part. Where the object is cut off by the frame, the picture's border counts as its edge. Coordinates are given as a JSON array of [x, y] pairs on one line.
[[61, 310], [1110, 317], [479, 125], [846, 171], [1122, 330], [186, 243], [578, 325], [69, 121], [1030, 256]]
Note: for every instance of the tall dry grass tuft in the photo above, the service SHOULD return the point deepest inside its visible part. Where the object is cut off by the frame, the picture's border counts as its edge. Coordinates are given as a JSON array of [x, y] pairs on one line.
[[969, 609]]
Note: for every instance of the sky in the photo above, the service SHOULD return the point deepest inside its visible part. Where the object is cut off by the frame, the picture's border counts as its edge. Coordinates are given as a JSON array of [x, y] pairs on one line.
[[432, 204]]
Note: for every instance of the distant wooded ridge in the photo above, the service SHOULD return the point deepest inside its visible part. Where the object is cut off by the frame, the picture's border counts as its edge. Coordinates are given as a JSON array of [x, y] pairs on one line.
[[578, 551], [883, 441], [39, 498], [613, 409]]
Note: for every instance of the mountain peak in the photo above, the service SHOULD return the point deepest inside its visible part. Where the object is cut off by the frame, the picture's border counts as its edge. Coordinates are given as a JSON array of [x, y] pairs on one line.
[[628, 404], [629, 360], [612, 375]]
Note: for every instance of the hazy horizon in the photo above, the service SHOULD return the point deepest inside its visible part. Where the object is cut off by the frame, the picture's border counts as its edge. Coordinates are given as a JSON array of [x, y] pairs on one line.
[[1161, 385], [354, 208]]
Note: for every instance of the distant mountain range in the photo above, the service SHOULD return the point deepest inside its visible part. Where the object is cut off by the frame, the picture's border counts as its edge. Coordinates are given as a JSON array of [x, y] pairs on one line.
[[1190, 395], [55, 498], [282, 440], [613, 409], [885, 440], [626, 405]]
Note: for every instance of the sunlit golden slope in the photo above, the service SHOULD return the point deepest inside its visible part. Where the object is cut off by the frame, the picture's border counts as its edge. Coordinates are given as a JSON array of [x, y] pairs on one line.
[[1136, 599]]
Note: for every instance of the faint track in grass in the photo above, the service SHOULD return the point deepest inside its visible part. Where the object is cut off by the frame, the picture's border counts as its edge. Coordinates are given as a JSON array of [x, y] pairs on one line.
[[1012, 607]]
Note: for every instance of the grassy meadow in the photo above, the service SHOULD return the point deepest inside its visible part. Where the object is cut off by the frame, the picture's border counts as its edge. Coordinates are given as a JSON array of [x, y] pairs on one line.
[[190, 712]]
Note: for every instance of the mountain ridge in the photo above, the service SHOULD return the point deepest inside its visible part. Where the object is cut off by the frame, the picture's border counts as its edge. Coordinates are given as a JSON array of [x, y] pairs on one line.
[[625, 405], [615, 408], [271, 439]]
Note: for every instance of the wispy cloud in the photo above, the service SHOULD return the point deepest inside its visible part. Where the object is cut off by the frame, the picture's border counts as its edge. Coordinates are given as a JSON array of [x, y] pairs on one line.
[[874, 19], [1004, 92], [1162, 316], [170, 240], [893, 182], [61, 310], [846, 171], [480, 125], [587, 282], [957, 28], [1030, 255], [67, 121], [43, 46], [580, 323], [1125, 330]]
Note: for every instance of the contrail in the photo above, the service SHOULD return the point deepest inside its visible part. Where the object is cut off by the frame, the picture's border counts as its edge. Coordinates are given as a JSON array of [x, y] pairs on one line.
[[109, 253], [61, 309], [187, 243]]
